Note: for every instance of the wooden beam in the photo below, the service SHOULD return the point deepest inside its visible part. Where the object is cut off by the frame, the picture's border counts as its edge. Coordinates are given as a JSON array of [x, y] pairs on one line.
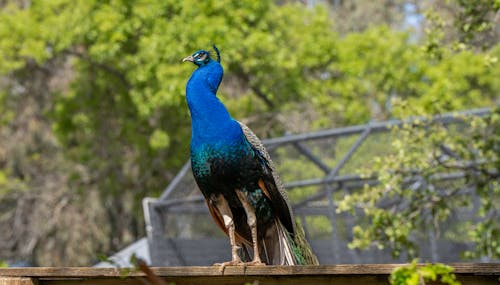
[[349, 269], [348, 274]]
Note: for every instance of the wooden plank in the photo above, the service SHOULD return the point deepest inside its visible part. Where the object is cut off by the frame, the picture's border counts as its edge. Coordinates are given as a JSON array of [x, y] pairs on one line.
[[477, 268], [341, 269], [4, 280], [240, 280], [268, 280]]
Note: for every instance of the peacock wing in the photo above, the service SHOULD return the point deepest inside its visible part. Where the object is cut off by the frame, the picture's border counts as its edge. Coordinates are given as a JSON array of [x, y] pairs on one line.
[[271, 184]]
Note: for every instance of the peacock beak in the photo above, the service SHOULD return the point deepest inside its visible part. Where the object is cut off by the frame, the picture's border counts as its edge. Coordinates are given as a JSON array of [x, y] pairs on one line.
[[188, 58]]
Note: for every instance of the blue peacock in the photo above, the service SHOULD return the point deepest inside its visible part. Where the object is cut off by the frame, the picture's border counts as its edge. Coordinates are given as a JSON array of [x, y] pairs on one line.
[[233, 170]]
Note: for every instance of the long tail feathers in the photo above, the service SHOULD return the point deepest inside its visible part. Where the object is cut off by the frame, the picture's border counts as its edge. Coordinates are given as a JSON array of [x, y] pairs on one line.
[[279, 248], [303, 246], [286, 252]]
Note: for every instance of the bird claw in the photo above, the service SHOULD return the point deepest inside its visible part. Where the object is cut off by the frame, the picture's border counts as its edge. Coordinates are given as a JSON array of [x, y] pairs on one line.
[[255, 263], [222, 266]]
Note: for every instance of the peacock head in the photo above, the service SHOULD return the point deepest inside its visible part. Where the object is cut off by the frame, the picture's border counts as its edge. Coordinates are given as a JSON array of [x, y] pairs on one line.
[[201, 57]]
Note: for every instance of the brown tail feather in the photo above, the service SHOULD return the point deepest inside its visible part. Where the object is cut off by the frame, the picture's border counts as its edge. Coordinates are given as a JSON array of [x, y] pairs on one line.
[[276, 247]]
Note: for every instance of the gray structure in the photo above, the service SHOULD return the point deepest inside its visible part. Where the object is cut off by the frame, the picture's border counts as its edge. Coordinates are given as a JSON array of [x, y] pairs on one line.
[[180, 230]]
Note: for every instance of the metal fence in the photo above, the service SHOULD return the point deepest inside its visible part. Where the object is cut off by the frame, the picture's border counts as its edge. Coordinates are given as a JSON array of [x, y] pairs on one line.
[[180, 230]]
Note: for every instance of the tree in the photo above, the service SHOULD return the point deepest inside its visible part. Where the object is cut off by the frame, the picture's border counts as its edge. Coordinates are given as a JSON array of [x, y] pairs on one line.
[[412, 198], [409, 199], [118, 114]]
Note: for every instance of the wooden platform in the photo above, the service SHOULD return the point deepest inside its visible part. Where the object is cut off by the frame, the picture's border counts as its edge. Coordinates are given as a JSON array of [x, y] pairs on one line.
[[373, 274]]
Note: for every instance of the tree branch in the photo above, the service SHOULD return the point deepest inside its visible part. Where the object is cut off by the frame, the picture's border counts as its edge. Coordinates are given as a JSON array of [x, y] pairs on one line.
[[111, 70], [262, 96]]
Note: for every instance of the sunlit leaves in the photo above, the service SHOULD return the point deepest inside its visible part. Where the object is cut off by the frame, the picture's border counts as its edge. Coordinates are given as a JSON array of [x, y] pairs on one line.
[[476, 19], [414, 274], [159, 139]]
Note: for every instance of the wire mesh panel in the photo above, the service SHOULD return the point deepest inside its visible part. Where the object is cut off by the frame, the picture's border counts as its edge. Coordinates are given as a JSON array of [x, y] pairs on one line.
[[318, 169]]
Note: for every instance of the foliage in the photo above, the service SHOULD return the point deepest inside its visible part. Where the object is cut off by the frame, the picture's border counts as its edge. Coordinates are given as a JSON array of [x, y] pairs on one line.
[[462, 24], [475, 21], [412, 197], [414, 274], [364, 14], [410, 200]]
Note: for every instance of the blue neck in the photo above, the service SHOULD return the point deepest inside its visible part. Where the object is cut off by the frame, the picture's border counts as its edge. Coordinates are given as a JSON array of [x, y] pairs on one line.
[[210, 120]]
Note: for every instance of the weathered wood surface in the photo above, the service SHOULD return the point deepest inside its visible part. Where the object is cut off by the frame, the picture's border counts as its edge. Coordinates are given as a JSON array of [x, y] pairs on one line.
[[467, 273], [17, 281]]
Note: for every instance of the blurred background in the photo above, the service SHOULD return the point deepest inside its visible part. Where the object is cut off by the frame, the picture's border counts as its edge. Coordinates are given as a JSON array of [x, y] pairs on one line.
[[93, 116]]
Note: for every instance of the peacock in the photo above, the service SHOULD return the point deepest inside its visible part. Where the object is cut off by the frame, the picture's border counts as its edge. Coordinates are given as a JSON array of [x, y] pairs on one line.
[[233, 170]]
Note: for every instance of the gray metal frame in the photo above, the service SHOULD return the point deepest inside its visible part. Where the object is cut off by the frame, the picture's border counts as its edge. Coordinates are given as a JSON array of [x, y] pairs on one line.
[[169, 251]]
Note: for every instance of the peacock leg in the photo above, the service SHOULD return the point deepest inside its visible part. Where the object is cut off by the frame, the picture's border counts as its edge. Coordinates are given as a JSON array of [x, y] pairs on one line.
[[252, 222], [227, 215]]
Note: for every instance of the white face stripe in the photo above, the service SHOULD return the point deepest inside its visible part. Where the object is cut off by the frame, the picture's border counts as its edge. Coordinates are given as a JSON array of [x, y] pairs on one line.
[[200, 56]]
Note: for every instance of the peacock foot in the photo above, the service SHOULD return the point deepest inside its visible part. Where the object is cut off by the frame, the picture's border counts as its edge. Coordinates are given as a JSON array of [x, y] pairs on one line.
[[255, 263], [223, 265]]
